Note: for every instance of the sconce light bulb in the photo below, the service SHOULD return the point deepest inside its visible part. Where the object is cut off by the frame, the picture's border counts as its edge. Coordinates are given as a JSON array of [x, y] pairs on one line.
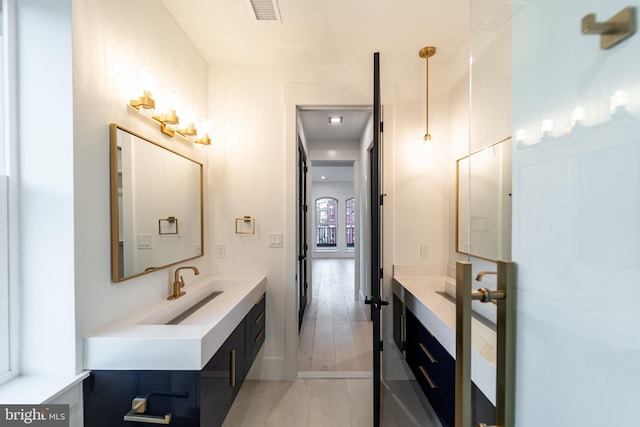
[[546, 128], [619, 101], [147, 82], [577, 116]]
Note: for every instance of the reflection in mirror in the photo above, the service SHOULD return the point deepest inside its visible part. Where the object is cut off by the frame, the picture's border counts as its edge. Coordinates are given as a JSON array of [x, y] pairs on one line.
[[156, 206], [484, 203]]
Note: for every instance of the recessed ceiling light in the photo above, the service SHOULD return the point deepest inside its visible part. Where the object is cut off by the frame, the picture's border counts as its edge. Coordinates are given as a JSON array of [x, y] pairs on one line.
[[323, 178], [334, 120]]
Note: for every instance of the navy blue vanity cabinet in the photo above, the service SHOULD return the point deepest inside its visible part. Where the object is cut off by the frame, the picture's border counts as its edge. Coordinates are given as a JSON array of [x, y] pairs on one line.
[[256, 322], [482, 410], [398, 322], [433, 367], [193, 398], [108, 396], [221, 379], [435, 371]]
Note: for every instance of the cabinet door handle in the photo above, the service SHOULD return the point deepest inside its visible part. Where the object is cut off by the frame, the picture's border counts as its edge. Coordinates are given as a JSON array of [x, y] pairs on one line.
[[138, 407], [259, 335], [233, 368], [260, 317], [426, 352], [427, 377], [260, 299]]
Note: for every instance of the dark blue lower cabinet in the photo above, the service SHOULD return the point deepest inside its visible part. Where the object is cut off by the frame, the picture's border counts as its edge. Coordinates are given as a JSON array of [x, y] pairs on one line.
[[193, 398], [435, 372], [482, 410]]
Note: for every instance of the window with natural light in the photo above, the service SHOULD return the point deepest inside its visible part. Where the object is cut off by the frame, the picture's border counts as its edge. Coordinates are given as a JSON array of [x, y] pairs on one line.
[[326, 223], [5, 365], [350, 222]]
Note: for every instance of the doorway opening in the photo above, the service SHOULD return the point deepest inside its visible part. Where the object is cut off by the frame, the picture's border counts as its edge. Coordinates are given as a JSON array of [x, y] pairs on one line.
[[335, 332]]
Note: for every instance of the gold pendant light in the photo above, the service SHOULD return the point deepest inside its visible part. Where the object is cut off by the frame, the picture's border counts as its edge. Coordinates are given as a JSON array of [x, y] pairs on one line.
[[426, 53]]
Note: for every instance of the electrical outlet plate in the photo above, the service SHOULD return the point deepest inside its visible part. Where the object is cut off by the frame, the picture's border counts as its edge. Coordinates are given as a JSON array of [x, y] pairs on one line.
[[221, 251], [425, 250]]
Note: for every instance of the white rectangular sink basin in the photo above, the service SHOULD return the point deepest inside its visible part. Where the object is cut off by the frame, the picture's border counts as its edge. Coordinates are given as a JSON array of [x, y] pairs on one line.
[[195, 307], [180, 309]]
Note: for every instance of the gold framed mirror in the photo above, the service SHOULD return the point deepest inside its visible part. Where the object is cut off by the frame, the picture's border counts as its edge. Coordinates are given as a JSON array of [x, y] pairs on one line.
[[483, 208], [156, 205]]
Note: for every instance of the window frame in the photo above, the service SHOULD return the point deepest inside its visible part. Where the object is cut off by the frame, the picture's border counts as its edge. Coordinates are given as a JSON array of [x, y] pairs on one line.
[[329, 223], [350, 223], [9, 224]]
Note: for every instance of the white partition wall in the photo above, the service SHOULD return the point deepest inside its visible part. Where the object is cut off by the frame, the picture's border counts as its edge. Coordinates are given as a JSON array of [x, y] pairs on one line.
[[576, 224]]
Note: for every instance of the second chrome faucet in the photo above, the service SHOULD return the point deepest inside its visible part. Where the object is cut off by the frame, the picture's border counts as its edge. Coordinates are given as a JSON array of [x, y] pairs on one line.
[[178, 282]]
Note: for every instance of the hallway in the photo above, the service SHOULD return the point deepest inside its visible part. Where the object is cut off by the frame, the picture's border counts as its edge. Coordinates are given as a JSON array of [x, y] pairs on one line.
[[336, 330]]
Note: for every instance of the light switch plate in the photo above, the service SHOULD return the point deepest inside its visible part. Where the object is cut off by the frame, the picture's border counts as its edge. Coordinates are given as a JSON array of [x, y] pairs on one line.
[[144, 241], [275, 240]]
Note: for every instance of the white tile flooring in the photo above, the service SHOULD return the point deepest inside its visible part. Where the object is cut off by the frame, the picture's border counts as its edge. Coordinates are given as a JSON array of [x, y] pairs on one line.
[[335, 338]]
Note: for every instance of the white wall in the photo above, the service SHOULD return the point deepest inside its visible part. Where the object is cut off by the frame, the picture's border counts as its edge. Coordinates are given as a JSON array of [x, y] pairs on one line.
[[249, 114], [109, 50]]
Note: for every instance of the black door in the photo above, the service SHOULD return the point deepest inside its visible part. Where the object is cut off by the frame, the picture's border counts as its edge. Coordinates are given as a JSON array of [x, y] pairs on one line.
[[303, 207], [375, 155]]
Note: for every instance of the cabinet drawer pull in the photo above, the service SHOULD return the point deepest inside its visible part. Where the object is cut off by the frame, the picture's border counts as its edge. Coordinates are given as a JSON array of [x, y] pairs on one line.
[[233, 368], [260, 299], [138, 408], [260, 334], [426, 352], [427, 377], [260, 317]]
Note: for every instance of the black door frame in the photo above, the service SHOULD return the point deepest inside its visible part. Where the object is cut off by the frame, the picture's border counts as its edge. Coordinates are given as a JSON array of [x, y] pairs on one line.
[[376, 236], [303, 208]]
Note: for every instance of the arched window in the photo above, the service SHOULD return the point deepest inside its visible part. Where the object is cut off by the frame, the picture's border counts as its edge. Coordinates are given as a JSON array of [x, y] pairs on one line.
[[350, 222], [326, 222]]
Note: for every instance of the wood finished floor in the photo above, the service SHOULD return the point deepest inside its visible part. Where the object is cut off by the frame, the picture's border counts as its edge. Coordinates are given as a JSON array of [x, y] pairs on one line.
[[328, 402], [336, 333], [336, 336]]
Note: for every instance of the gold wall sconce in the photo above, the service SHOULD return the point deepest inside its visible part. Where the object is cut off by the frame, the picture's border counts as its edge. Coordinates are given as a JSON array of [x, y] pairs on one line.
[[426, 53], [169, 121], [145, 102]]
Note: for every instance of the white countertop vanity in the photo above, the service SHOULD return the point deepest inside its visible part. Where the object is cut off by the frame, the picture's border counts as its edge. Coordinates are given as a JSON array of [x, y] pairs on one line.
[[145, 341], [429, 297]]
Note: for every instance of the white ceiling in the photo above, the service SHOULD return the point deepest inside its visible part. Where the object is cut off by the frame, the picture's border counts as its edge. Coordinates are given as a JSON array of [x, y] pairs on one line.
[[315, 32], [317, 128], [325, 32]]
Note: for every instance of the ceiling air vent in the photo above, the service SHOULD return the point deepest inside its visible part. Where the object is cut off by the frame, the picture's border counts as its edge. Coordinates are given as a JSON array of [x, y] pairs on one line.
[[265, 10]]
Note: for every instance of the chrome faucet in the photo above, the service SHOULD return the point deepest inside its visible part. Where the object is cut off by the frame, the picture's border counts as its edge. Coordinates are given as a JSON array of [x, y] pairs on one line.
[[483, 273], [178, 282]]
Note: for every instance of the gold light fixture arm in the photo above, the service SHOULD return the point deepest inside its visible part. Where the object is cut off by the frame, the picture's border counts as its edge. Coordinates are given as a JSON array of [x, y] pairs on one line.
[[426, 53]]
